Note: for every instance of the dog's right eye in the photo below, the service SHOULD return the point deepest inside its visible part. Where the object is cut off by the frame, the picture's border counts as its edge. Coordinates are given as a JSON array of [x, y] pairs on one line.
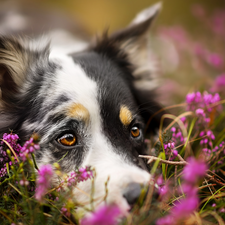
[[67, 139]]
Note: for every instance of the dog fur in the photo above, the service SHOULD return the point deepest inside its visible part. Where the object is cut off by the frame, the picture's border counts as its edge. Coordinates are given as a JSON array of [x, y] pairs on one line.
[[100, 95]]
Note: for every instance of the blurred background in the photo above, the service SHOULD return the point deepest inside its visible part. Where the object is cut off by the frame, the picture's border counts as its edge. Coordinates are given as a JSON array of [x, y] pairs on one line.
[[95, 15], [188, 37]]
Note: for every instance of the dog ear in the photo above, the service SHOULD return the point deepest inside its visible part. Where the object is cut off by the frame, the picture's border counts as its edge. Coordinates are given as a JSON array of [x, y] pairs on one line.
[[135, 42], [13, 63], [16, 59], [129, 47]]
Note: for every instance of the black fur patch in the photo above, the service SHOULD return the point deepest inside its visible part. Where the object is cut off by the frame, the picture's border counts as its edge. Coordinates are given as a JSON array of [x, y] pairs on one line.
[[114, 85]]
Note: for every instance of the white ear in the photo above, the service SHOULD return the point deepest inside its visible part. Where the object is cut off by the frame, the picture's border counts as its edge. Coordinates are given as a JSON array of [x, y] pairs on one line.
[[147, 13]]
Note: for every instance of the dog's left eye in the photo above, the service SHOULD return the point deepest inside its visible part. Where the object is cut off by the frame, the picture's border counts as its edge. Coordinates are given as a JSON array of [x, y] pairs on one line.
[[67, 139], [135, 132]]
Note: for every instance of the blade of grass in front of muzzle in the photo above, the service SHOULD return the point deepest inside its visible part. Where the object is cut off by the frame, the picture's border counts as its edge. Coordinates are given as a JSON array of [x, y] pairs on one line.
[[63, 157], [154, 167], [35, 164], [7, 167]]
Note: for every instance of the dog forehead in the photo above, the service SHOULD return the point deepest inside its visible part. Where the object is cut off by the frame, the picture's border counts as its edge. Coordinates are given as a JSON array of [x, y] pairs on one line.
[[92, 81], [72, 81]]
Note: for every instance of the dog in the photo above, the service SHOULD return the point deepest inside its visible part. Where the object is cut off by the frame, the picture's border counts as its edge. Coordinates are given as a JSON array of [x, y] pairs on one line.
[[88, 104]]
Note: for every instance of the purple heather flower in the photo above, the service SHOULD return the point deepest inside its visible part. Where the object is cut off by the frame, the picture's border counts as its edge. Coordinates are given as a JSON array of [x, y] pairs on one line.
[[43, 181], [198, 101], [189, 189], [200, 112], [162, 187], [190, 97], [219, 83], [175, 153], [104, 215], [202, 133], [222, 210], [159, 180], [215, 59], [12, 141], [220, 80], [28, 147], [167, 220], [80, 175], [65, 211], [194, 170], [173, 129], [185, 207], [85, 173], [164, 190]]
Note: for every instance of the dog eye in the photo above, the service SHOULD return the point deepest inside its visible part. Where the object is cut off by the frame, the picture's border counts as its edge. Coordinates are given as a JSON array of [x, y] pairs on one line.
[[135, 132], [67, 140]]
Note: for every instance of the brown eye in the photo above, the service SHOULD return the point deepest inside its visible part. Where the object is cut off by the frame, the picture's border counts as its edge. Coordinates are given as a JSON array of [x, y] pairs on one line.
[[67, 140], [135, 132]]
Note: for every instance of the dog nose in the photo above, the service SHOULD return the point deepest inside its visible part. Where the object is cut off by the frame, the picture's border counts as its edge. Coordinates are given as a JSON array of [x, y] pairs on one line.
[[132, 193]]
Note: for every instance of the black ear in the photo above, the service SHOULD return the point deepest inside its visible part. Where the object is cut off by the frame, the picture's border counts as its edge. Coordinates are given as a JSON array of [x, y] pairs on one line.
[[130, 48], [17, 58]]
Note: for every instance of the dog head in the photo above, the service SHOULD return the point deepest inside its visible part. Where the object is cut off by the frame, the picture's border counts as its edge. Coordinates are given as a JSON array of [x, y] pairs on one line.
[[88, 107]]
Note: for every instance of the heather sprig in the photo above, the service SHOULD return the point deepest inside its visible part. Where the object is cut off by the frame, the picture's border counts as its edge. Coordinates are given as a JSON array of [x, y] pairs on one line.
[[5, 160], [43, 181], [192, 173], [28, 148]]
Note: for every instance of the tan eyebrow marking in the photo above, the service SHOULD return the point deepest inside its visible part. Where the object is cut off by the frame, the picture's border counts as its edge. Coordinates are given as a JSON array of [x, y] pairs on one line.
[[79, 111], [126, 116]]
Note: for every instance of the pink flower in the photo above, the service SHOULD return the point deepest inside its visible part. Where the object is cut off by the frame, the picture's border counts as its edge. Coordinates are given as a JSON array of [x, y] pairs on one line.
[[189, 189], [195, 170], [43, 181], [215, 60], [219, 84], [65, 212], [220, 80], [185, 207], [200, 112], [190, 97], [104, 215], [173, 129], [29, 147], [79, 175], [11, 139], [167, 220]]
